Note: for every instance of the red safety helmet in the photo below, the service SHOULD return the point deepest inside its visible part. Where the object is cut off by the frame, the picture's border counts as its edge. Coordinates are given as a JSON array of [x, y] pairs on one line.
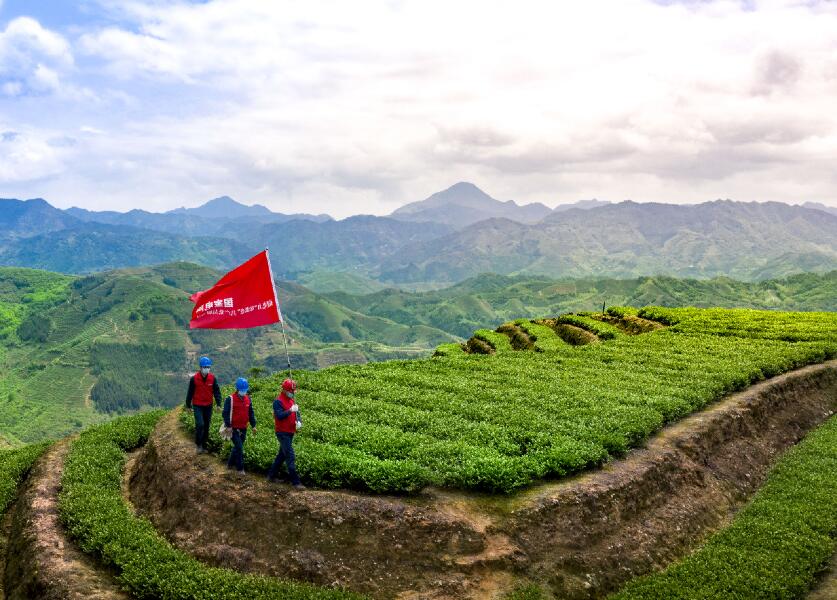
[[289, 385]]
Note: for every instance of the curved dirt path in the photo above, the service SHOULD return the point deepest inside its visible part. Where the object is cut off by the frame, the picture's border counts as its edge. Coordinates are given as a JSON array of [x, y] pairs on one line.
[[41, 561], [580, 538]]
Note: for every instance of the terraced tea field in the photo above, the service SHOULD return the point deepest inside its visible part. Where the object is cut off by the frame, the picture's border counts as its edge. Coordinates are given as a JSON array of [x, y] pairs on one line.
[[498, 419], [716, 502]]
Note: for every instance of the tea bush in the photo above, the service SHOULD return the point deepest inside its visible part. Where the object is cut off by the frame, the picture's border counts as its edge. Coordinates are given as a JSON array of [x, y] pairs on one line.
[[14, 466]]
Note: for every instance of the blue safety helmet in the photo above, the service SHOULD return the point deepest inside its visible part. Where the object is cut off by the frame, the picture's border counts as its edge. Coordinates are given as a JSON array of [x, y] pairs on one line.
[[205, 361], [241, 385]]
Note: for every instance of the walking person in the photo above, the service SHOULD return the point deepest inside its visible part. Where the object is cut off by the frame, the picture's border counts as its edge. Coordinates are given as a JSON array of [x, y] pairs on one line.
[[203, 389], [238, 413], [286, 422]]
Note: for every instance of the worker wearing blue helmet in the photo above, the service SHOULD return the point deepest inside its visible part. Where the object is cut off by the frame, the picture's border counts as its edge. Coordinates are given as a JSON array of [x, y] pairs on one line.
[[203, 389], [238, 413]]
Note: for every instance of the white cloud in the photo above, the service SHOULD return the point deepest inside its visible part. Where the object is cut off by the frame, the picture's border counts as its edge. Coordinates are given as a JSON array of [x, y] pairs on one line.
[[30, 58], [357, 107], [28, 156]]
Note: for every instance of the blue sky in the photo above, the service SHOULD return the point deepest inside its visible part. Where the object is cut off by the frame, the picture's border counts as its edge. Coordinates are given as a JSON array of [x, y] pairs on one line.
[[328, 106]]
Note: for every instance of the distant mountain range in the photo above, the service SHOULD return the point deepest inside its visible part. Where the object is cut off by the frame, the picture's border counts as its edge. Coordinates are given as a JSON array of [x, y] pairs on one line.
[[820, 206], [452, 235], [743, 240], [215, 218]]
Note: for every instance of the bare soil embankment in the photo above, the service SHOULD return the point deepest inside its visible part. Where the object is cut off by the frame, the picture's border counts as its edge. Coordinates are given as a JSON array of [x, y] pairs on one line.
[[826, 588], [41, 561], [581, 538]]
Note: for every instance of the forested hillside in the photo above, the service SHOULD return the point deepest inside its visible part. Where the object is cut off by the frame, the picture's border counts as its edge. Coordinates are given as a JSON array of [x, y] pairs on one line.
[[736, 239]]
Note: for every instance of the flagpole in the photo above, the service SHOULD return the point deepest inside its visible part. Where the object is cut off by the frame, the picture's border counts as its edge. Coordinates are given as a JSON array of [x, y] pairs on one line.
[[279, 310]]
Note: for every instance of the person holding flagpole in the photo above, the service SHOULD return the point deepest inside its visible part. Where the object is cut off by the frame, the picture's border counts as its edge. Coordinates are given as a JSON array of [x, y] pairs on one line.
[[243, 298], [238, 413], [286, 423]]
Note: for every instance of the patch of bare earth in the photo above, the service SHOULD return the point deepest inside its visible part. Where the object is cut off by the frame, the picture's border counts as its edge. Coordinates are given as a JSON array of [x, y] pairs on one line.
[[4, 542], [826, 588], [570, 333], [631, 324], [580, 538], [41, 561], [518, 338], [477, 346]]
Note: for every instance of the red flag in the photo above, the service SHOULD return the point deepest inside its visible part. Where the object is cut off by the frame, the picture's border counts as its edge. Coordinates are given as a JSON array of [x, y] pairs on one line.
[[245, 297]]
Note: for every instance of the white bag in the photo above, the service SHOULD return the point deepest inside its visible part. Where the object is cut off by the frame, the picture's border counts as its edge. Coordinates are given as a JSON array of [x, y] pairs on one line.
[[224, 431]]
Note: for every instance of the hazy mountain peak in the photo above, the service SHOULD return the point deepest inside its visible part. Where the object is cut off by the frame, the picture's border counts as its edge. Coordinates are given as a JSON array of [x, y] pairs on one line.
[[463, 204], [225, 207], [585, 204], [820, 206]]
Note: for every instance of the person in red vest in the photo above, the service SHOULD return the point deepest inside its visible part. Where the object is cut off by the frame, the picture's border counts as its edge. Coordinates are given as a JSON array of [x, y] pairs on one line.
[[203, 389], [242, 414], [286, 421]]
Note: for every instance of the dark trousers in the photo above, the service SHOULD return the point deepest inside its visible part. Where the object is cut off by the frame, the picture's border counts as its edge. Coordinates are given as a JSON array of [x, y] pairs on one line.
[[237, 454], [203, 418], [286, 455]]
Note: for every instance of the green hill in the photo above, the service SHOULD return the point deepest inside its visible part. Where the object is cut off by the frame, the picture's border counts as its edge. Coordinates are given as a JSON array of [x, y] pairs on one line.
[[78, 349], [492, 299]]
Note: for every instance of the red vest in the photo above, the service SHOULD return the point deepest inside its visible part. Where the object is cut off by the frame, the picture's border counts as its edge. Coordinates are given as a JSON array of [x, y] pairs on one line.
[[288, 424], [240, 411], [203, 390]]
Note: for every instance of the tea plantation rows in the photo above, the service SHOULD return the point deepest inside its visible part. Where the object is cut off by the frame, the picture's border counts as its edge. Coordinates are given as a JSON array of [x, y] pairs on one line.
[[778, 543], [14, 466], [502, 421], [97, 517]]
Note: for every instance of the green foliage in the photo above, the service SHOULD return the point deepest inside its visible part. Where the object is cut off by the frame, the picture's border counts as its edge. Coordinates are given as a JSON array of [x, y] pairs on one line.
[[14, 466], [623, 311], [545, 338], [131, 376], [499, 341], [53, 381], [604, 331], [775, 547], [97, 517], [787, 326], [35, 328], [529, 592], [448, 350], [499, 422]]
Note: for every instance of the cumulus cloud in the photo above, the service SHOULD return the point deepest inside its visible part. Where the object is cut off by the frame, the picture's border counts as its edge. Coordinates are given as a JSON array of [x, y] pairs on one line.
[[31, 58], [357, 107], [28, 156]]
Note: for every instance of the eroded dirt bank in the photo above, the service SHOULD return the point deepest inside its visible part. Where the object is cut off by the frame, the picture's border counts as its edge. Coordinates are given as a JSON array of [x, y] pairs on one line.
[[580, 538], [41, 561], [826, 588]]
